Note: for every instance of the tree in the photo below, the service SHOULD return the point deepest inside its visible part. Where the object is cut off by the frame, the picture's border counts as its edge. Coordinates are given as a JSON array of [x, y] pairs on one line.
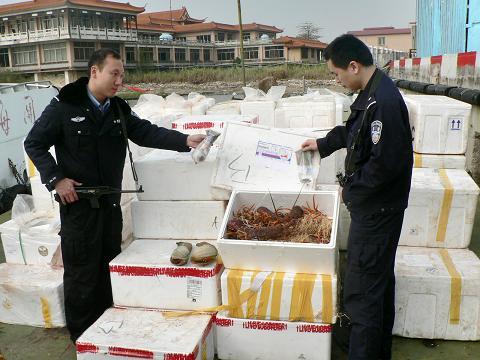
[[308, 30]]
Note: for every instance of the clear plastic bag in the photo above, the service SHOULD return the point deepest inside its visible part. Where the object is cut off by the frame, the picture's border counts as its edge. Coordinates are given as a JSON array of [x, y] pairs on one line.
[[200, 153], [306, 168]]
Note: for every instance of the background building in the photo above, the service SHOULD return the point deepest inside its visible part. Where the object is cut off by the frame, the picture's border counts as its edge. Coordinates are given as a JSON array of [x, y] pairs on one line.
[[53, 39], [386, 37], [447, 27]]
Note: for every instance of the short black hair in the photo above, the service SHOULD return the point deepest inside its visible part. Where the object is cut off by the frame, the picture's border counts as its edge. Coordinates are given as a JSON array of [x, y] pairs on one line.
[[98, 58], [346, 48]]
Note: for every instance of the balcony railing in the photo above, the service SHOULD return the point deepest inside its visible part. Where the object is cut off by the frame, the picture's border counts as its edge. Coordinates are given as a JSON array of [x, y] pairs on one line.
[[76, 32]]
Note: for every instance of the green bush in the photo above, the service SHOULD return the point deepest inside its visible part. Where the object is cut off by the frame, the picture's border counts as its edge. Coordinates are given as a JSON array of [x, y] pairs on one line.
[[198, 75]]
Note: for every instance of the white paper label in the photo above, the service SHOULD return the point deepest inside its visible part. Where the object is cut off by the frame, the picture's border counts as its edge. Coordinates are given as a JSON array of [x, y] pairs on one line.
[[194, 288]]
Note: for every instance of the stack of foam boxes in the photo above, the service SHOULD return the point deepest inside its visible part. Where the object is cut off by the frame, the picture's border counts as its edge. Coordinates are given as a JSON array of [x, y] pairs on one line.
[[437, 277], [278, 298], [151, 296], [31, 289]]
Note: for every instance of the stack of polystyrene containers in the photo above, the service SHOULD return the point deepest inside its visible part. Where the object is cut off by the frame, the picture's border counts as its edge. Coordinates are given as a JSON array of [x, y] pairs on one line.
[[437, 277], [278, 298], [31, 289], [263, 105], [177, 206]]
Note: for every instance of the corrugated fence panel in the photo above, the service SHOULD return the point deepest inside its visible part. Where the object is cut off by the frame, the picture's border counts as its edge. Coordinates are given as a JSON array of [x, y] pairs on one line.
[[473, 42], [441, 27]]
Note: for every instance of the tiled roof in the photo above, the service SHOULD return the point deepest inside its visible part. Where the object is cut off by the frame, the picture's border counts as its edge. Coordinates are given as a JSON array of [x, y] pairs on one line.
[[387, 30], [179, 15], [44, 4], [292, 42]]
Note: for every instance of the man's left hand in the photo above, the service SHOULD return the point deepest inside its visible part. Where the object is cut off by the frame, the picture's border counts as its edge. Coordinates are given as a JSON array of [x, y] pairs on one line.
[[194, 140]]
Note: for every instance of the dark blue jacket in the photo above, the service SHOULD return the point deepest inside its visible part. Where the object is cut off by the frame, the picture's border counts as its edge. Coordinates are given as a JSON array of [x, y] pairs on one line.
[[384, 158], [90, 147]]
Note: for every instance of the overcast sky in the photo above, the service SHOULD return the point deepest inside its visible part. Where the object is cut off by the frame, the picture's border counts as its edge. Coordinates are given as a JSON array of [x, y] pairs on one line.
[[334, 16]]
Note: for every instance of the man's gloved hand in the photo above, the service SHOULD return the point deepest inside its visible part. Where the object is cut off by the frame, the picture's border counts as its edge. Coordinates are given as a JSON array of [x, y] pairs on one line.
[[194, 140], [65, 189]]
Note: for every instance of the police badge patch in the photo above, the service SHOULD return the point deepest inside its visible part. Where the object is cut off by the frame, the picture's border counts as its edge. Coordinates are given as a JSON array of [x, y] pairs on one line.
[[376, 131]]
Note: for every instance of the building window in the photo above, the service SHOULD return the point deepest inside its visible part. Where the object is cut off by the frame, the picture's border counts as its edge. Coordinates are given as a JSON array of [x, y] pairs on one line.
[[180, 55], [304, 53], [229, 36], [4, 61], [220, 37], [181, 39], [381, 40], [246, 36], [24, 55], [225, 54], [82, 51], [20, 26], [204, 38], [206, 55], [55, 52], [194, 55], [164, 55], [146, 55], [250, 53], [130, 57], [273, 52], [50, 22], [112, 46], [2, 28]]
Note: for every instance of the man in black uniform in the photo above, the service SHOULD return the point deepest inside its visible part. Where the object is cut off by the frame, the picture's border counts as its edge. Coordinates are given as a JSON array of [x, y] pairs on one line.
[[85, 124], [376, 185]]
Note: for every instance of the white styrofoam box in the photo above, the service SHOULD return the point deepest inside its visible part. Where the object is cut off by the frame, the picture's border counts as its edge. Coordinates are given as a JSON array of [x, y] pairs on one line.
[[33, 244], [128, 183], [441, 209], [271, 340], [256, 157], [133, 334], [331, 165], [145, 268], [198, 124], [264, 109], [227, 107], [177, 219], [318, 112], [439, 161], [318, 294], [170, 175], [127, 228], [281, 256], [425, 305], [42, 198], [439, 124], [31, 295], [343, 227]]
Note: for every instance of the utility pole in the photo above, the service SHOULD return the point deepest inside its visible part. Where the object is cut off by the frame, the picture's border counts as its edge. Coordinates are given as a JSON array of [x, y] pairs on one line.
[[241, 41]]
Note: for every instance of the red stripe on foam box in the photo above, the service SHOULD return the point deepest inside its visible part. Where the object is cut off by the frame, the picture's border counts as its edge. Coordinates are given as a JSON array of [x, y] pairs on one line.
[[223, 322], [175, 272], [416, 61], [265, 325], [467, 58], [401, 63], [437, 59], [133, 353], [191, 356], [86, 347], [311, 328]]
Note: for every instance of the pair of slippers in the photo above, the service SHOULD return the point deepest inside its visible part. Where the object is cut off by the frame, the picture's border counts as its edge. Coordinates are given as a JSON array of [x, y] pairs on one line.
[[203, 253]]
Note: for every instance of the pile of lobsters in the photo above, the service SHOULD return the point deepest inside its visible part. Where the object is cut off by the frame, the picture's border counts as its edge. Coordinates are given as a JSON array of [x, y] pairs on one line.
[[300, 224]]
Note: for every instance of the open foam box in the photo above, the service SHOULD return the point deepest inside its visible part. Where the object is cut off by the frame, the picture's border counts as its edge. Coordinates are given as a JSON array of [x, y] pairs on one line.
[[281, 256]]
